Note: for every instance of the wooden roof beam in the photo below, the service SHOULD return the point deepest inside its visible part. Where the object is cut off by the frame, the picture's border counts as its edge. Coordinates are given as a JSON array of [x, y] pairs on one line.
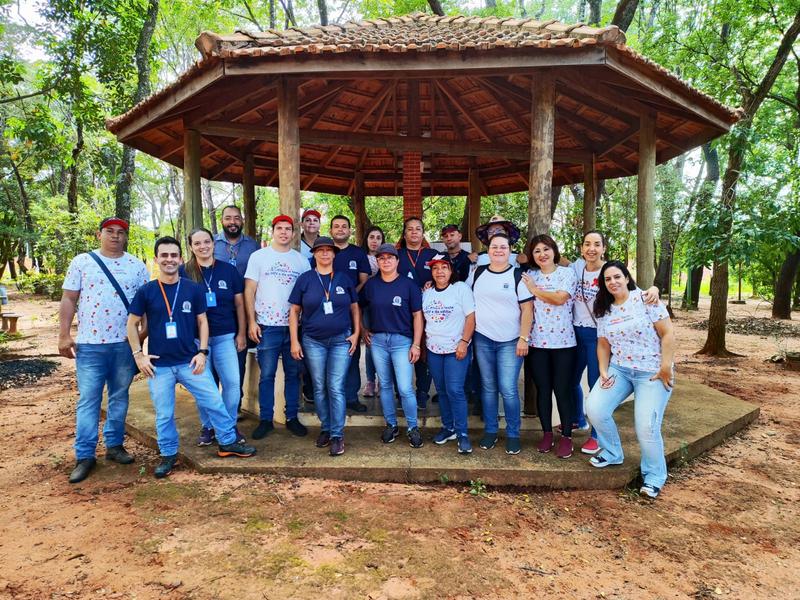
[[451, 115], [445, 89], [390, 142]]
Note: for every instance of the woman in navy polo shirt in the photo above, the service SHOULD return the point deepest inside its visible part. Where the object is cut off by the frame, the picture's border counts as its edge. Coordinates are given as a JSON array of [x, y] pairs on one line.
[[328, 303], [224, 292], [394, 305]]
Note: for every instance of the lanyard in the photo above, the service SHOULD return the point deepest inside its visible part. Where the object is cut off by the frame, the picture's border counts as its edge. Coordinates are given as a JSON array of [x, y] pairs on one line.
[[411, 260], [233, 250], [174, 300], [583, 295], [210, 279], [330, 283]]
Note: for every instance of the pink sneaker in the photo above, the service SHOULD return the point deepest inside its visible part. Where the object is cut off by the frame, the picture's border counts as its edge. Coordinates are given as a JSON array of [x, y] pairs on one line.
[[369, 390], [547, 442], [564, 447], [590, 447]]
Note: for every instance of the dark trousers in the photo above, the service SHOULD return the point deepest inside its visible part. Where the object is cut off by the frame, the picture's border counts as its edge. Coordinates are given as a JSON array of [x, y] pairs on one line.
[[552, 370]]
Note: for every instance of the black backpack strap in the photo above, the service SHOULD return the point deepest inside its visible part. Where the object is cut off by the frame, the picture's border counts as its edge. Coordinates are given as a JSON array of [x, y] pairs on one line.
[[111, 279], [478, 270]]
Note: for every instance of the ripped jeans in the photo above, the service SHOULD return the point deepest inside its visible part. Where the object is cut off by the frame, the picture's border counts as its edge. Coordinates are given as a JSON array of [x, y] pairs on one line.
[[649, 403]]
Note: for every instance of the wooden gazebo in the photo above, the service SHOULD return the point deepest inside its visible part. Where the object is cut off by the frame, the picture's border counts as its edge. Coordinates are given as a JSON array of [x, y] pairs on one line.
[[425, 105]]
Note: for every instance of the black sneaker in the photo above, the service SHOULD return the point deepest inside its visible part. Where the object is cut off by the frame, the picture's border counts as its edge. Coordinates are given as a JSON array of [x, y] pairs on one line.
[[488, 441], [263, 430], [166, 465], [118, 454], [357, 406], [323, 440], [82, 469], [337, 446], [240, 439], [415, 438], [296, 427], [390, 434], [235, 449]]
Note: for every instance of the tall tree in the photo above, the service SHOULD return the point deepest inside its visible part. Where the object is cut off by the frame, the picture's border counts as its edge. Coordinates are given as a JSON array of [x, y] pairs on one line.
[[595, 10], [436, 7], [323, 12], [623, 15], [752, 97], [122, 199]]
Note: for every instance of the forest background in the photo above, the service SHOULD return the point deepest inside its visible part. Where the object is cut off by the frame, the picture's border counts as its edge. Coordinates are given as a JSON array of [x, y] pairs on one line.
[[732, 206]]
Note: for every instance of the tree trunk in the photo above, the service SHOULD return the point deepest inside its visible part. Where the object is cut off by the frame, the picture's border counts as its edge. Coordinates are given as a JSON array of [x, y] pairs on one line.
[[782, 305], [715, 342], [26, 217], [323, 12], [595, 8], [122, 200], [623, 16], [693, 281], [666, 243], [72, 193], [796, 301], [436, 7], [522, 12], [272, 16], [208, 200]]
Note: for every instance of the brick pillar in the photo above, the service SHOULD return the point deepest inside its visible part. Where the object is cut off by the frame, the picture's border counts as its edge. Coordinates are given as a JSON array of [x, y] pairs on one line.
[[412, 184]]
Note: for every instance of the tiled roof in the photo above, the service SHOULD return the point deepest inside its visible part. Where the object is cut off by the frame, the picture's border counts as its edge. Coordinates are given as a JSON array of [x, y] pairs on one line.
[[417, 32]]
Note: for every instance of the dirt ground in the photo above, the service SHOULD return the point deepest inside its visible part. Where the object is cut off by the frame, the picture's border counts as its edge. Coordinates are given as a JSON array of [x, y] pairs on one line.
[[725, 526]]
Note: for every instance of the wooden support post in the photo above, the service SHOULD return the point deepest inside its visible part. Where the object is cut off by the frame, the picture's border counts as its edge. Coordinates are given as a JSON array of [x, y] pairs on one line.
[[474, 208], [359, 207], [645, 207], [589, 195], [193, 201], [249, 197], [540, 180], [289, 154]]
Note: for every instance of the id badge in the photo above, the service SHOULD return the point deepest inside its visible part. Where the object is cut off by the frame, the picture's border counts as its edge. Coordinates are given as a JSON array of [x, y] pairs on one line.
[[327, 307], [211, 299], [172, 330]]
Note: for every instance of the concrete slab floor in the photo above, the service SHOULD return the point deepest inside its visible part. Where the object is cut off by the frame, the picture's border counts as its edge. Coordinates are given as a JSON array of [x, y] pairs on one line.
[[697, 419]]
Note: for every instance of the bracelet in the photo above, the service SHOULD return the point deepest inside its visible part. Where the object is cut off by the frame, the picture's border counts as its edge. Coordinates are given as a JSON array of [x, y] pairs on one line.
[[465, 341], [415, 346], [524, 339], [139, 351]]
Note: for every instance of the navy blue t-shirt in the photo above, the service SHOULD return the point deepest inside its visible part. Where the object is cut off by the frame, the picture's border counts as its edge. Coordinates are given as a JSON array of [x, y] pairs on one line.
[[224, 280], [421, 273], [391, 305], [351, 261], [309, 293], [461, 264], [191, 302]]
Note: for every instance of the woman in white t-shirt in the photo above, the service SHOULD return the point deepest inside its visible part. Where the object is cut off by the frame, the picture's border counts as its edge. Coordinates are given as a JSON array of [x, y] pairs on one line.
[[449, 310], [552, 340], [502, 322], [587, 271], [635, 348]]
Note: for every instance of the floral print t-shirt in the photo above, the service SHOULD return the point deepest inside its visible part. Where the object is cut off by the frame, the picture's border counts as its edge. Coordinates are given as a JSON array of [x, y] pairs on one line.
[[276, 273], [552, 324], [585, 293], [445, 312], [629, 329], [102, 317]]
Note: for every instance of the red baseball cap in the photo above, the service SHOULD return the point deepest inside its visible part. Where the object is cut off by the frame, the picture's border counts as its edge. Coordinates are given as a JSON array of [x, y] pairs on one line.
[[439, 258], [313, 212], [113, 221], [283, 218]]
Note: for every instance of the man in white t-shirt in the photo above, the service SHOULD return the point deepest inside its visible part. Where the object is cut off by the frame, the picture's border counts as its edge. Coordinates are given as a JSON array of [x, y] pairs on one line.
[[270, 278], [101, 351]]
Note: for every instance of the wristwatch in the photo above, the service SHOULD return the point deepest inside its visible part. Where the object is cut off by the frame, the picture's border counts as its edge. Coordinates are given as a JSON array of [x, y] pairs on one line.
[[524, 338], [203, 351]]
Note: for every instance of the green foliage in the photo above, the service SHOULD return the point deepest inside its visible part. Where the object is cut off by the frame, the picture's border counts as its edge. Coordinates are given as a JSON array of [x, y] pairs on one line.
[[44, 284]]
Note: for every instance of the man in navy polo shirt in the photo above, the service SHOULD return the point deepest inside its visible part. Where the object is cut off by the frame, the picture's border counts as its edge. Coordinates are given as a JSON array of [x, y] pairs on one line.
[[352, 261], [459, 258], [176, 316]]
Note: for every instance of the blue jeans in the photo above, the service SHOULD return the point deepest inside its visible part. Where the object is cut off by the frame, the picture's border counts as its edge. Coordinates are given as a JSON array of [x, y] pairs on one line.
[[449, 374], [99, 365], [224, 360], [649, 404], [369, 365], [499, 365], [586, 358], [206, 395], [275, 342], [390, 355], [327, 362]]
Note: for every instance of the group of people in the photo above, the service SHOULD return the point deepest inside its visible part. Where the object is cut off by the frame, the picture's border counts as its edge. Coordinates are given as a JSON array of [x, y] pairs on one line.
[[465, 321]]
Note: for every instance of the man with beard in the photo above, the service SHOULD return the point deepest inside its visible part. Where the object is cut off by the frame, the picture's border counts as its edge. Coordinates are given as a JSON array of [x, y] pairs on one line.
[[451, 236], [231, 245]]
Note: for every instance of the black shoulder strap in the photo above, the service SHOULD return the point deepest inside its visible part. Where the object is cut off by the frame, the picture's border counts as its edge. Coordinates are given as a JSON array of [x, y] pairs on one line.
[[111, 279], [517, 279], [480, 269]]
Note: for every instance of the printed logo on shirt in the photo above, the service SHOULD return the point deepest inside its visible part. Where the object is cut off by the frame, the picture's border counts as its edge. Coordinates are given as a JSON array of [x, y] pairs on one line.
[[620, 319], [397, 301], [506, 286], [223, 285], [339, 289], [353, 265], [187, 307]]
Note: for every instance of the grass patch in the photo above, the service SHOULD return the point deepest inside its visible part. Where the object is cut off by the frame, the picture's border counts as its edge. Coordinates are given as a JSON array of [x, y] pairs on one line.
[[283, 559], [296, 526], [257, 524], [338, 515], [167, 491], [378, 536]]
